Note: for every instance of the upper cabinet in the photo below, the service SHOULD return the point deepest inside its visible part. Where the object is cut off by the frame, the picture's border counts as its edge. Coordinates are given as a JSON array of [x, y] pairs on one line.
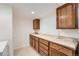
[[36, 24], [67, 16]]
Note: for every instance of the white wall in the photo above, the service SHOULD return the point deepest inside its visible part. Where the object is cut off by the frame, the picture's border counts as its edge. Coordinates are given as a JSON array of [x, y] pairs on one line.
[[22, 27], [48, 26], [6, 25]]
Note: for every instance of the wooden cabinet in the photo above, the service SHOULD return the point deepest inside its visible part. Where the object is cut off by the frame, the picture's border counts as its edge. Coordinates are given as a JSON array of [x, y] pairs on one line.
[[39, 45], [43, 47], [54, 52], [48, 48], [31, 41], [59, 50], [36, 24], [34, 42], [67, 16]]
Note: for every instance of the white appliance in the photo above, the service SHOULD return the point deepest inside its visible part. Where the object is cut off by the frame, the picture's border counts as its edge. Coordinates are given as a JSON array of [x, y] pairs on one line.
[[4, 50]]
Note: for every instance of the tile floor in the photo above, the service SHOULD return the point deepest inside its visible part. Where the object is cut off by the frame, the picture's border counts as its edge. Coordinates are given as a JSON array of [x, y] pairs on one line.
[[29, 51]]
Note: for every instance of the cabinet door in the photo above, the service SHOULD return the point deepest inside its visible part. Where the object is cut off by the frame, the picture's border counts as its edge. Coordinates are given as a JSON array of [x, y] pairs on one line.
[[67, 16], [70, 20], [53, 52], [36, 24], [33, 43], [59, 21], [36, 43], [67, 51], [63, 17], [36, 46], [45, 52], [31, 40], [43, 47], [61, 14]]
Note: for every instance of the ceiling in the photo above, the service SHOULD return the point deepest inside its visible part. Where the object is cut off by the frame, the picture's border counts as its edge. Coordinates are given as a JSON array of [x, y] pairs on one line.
[[40, 9]]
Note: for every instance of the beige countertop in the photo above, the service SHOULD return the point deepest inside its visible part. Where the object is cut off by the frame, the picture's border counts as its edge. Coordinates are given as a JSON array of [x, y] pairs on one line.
[[66, 41]]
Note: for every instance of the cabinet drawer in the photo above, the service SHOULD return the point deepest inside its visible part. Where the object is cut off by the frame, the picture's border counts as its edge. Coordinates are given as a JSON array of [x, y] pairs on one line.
[[44, 41], [43, 46], [66, 51], [55, 46]]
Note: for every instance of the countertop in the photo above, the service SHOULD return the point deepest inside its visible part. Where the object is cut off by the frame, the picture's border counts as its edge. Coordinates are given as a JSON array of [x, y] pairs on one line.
[[3, 45], [66, 41]]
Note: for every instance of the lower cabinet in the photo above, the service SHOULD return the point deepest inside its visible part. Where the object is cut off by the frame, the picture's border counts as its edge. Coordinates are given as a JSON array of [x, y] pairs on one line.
[[31, 41], [43, 47], [43, 53], [56, 49], [54, 52], [34, 42], [48, 48]]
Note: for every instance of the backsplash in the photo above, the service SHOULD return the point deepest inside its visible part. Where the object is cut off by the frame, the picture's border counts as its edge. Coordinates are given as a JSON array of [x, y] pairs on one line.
[[70, 33]]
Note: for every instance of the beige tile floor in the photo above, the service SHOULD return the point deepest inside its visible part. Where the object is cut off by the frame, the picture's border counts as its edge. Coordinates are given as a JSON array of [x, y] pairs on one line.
[[29, 51]]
